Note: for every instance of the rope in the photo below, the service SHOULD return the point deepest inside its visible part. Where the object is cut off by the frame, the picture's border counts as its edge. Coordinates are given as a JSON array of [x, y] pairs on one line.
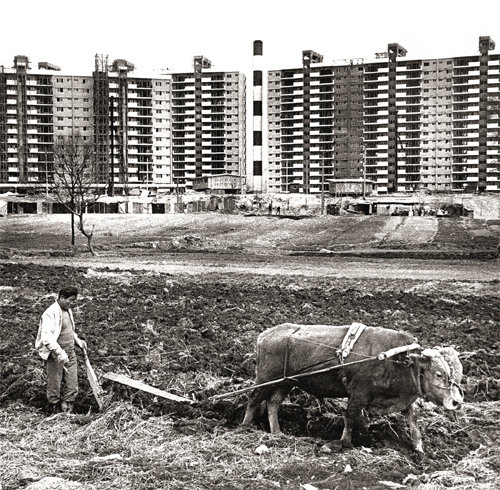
[[335, 349]]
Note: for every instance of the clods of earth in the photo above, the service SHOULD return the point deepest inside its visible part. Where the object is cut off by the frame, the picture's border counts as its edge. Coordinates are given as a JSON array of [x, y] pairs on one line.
[[195, 336]]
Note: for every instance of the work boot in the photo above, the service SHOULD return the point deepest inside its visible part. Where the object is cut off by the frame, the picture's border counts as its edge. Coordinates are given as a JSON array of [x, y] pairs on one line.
[[67, 407], [54, 408]]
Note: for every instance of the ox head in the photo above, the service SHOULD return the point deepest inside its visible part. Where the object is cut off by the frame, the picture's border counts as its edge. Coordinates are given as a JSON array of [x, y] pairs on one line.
[[441, 374]]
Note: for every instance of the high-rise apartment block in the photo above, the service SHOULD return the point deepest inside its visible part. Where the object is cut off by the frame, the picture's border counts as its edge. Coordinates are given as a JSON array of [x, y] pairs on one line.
[[402, 124], [208, 124], [150, 133]]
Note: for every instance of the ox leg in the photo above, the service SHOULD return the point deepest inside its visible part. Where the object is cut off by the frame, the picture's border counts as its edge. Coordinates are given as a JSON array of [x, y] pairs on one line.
[[346, 438], [416, 436], [352, 419], [255, 399], [273, 405]]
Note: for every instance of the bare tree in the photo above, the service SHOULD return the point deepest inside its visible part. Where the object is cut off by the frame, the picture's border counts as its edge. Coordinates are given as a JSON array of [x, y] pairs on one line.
[[75, 181]]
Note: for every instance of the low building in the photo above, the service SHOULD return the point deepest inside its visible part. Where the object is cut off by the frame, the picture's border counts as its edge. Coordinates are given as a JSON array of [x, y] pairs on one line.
[[219, 184], [350, 187]]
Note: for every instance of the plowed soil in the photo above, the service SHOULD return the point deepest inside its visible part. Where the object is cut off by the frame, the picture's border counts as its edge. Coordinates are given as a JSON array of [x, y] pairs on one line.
[[176, 309]]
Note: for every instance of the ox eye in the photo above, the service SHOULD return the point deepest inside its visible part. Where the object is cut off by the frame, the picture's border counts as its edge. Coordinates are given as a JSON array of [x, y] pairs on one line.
[[438, 374]]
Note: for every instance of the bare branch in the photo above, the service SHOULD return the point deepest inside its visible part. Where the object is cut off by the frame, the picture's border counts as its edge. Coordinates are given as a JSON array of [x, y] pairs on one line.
[[75, 178]]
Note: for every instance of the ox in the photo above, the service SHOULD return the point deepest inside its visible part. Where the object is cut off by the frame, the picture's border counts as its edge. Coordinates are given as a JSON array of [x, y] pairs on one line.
[[380, 387]]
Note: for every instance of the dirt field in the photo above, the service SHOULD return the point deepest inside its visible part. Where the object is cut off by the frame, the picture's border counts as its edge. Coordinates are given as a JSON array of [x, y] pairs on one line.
[[178, 302]]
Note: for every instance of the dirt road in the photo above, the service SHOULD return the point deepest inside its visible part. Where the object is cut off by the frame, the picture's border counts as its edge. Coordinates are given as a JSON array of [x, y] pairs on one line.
[[323, 266]]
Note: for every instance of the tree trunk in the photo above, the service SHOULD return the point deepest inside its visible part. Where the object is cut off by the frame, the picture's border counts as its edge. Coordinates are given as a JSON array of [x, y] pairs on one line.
[[89, 243], [72, 226], [86, 234]]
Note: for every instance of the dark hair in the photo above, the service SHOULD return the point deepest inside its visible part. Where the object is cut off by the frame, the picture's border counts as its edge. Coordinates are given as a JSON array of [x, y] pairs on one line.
[[67, 292]]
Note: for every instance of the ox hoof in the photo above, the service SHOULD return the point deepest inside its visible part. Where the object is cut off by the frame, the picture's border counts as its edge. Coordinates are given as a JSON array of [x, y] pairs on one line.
[[245, 428], [336, 446], [340, 445], [277, 435], [419, 447]]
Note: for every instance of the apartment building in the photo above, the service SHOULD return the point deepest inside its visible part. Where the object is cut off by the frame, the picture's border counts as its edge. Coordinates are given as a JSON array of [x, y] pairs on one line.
[[405, 125], [208, 124], [300, 134], [149, 133], [26, 125], [136, 119]]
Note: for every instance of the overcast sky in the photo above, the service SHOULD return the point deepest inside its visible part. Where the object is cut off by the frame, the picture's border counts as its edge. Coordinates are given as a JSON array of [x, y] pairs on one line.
[[160, 34]]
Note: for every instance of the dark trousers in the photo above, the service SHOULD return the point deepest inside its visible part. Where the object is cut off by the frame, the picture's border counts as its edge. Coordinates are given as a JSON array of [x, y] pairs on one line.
[[62, 379]]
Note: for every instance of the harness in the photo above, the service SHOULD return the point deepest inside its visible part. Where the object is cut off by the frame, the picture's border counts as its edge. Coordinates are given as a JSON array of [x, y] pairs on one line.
[[417, 380], [352, 335], [449, 382], [347, 345]]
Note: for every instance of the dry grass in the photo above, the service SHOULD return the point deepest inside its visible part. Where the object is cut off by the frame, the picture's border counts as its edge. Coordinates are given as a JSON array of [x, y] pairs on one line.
[[121, 448], [247, 234]]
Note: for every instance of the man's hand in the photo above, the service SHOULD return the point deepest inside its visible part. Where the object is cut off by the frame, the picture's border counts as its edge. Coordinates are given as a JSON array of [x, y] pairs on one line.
[[83, 344], [63, 357]]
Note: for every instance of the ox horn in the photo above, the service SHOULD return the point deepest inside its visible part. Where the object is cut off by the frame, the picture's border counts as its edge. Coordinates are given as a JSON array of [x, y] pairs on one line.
[[430, 353]]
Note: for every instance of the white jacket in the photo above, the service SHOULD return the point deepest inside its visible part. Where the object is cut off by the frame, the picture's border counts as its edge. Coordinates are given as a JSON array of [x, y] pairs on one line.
[[49, 330]]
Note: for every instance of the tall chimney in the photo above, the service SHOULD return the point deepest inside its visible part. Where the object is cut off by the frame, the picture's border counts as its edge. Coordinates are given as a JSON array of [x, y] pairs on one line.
[[257, 115]]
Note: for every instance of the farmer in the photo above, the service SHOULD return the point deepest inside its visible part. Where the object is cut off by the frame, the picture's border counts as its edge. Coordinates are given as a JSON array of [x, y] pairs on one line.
[[55, 343]]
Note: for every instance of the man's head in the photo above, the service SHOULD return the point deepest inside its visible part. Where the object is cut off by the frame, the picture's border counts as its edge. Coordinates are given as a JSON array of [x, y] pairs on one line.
[[67, 296]]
